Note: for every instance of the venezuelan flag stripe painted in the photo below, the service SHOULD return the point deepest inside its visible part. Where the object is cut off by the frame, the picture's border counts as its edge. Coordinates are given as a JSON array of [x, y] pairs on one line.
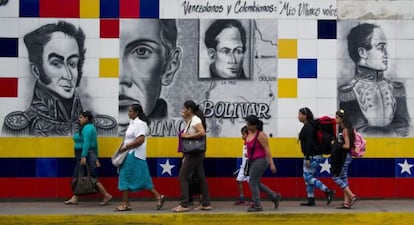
[[62, 147], [42, 167]]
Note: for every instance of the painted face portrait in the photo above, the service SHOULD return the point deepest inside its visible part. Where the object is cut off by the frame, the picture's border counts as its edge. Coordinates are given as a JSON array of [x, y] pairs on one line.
[[60, 64], [228, 55], [143, 57], [149, 60], [376, 57]]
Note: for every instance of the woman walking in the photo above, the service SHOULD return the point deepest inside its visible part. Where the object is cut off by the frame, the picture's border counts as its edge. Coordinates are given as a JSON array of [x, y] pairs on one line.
[[193, 163], [313, 157], [258, 151], [133, 173], [86, 153], [341, 157]]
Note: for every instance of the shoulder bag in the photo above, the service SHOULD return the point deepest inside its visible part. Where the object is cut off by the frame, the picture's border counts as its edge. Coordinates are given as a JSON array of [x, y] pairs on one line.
[[84, 185], [249, 160], [118, 157], [193, 146]]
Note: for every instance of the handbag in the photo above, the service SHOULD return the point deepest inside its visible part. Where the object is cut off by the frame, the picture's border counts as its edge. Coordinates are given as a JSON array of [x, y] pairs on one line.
[[249, 161], [118, 158], [193, 146], [84, 185]]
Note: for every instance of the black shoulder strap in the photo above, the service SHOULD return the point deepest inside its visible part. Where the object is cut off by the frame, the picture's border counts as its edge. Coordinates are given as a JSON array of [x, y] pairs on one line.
[[254, 145], [188, 127]]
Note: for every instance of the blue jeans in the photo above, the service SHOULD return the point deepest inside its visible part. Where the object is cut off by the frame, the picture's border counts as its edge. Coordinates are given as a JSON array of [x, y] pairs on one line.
[[257, 169], [90, 160], [309, 175], [342, 179]]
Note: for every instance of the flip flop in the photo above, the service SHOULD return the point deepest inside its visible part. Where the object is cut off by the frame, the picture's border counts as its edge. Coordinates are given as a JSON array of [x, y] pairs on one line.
[[71, 202], [122, 208], [105, 200], [203, 207], [179, 208]]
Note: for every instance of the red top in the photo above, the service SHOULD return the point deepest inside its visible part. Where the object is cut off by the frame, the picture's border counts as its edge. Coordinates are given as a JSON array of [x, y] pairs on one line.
[[259, 151]]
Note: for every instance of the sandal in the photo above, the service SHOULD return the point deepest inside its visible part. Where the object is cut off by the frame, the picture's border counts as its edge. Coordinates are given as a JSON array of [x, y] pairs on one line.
[[353, 200], [105, 200], [160, 202], [179, 208], [123, 207], [71, 201], [203, 207], [344, 206]]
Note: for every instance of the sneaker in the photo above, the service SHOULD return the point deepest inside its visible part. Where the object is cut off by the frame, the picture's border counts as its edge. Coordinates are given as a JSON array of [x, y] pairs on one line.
[[276, 200], [310, 202], [329, 196], [255, 208]]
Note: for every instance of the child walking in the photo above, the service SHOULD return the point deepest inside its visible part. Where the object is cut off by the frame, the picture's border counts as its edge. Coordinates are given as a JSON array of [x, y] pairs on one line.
[[240, 175]]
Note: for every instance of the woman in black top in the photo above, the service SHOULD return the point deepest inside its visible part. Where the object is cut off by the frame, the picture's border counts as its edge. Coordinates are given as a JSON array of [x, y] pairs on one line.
[[312, 158]]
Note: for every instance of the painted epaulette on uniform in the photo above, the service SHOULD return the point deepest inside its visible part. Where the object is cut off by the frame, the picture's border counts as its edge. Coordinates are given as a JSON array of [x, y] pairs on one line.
[[346, 91], [399, 89], [16, 124], [106, 125]]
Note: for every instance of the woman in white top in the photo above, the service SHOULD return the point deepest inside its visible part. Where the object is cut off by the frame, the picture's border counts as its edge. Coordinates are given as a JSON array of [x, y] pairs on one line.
[[133, 173], [193, 163]]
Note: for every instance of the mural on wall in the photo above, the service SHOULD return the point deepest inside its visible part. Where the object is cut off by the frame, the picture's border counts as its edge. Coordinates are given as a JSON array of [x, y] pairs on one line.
[[149, 59], [377, 100], [226, 45], [56, 54], [159, 70], [226, 102]]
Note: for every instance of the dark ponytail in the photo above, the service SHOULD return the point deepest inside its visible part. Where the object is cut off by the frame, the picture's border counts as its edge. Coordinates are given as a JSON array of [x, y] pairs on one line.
[[141, 115], [189, 104], [255, 121]]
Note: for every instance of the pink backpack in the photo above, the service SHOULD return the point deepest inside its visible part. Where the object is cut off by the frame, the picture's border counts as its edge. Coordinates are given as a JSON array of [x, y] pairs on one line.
[[360, 145]]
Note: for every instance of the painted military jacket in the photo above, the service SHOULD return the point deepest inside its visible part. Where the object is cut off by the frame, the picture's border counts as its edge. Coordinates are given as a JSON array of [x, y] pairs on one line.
[[48, 115], [376, 104]]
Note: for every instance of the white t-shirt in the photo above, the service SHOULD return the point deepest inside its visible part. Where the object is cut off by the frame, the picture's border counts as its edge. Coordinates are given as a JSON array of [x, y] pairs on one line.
[[135, 129], [194, 121]]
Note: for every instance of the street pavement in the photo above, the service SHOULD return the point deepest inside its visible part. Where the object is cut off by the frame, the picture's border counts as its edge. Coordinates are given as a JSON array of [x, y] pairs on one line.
[[223, 212]]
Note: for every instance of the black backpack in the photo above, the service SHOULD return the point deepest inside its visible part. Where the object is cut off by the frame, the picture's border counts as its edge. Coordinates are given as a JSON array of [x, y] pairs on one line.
[[325, 133]]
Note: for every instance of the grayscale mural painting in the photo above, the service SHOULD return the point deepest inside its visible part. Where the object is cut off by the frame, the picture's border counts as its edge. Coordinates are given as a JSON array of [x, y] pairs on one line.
[[149, 58], [159, 69], [225, 49], [226, 101], [375, 75], [56, 56]]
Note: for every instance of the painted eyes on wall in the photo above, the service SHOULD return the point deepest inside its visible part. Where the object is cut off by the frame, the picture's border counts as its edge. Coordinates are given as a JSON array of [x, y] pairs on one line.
[[142, 52], [57, 63]]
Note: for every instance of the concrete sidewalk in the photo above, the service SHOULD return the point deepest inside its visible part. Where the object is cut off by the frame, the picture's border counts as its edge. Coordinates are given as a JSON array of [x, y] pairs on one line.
[[224, 212]]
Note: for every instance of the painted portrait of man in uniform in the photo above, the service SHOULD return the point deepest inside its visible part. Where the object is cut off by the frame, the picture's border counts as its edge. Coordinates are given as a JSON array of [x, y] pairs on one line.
[[149, 59], [56, 56], [226, 46], [377, 103]]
